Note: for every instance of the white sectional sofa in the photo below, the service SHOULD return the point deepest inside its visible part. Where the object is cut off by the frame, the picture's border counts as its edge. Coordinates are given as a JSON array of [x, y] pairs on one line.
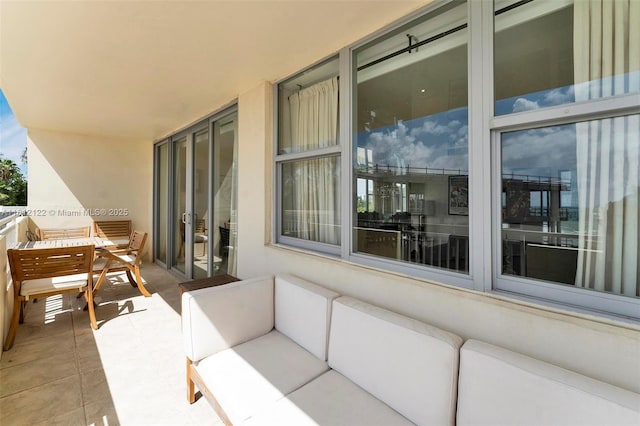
[[284, 351]]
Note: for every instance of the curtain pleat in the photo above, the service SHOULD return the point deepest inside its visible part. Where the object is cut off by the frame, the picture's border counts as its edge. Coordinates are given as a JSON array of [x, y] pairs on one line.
[[607, 63], [314, 124]]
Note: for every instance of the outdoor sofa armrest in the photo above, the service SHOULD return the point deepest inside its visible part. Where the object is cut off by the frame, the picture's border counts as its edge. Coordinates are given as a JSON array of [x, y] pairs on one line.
[[218, 318]]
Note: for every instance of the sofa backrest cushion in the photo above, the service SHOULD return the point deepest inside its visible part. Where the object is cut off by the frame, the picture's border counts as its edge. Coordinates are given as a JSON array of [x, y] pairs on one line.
[[407, 364], [303, 312], [498, 386], [218, 318]]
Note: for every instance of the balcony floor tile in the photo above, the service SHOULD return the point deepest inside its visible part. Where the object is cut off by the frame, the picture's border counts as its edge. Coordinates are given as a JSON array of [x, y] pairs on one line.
[[128, 372]]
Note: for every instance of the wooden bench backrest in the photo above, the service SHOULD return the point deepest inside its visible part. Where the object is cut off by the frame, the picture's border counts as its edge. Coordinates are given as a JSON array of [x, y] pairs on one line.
[[33, 264], [64, 234], [111, 229]]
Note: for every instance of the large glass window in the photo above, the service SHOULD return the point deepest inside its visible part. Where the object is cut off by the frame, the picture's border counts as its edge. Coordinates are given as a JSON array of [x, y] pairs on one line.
[[310, 199], [511, 166], [308, 155], [554, 52], [569, 201], [570, 204], [410, 144]]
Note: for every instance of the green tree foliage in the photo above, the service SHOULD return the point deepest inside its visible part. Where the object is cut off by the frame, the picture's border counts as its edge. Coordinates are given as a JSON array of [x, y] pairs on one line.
[[13, 186]]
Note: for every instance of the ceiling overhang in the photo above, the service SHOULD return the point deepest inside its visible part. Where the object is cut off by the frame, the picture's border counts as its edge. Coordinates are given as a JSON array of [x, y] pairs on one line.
[[141, 69]]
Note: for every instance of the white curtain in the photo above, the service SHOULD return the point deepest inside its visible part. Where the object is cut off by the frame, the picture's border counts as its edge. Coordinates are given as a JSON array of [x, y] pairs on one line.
[[607, 63], [313, 116]]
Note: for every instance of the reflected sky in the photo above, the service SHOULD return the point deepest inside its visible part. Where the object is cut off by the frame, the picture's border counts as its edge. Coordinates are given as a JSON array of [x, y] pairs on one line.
[[436, 141], [531, 101], [440, 141]]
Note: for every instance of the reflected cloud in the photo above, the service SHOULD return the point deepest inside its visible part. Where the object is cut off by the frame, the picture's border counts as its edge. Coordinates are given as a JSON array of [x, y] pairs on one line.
[[522, 104], [436, 141], [559, 96], [540, 152]]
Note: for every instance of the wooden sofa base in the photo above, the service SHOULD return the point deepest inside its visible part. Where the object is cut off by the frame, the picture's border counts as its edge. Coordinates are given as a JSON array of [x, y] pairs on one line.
[[194, 380]]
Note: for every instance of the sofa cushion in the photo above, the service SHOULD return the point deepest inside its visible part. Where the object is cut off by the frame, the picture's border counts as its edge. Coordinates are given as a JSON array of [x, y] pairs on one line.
[[409, 365], [218, 318], [303, 312], [331, 399], [498, 386], [248, 377]]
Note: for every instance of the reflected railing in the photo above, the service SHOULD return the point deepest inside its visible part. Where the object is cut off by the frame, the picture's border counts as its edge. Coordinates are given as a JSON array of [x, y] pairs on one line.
[[542, 255]]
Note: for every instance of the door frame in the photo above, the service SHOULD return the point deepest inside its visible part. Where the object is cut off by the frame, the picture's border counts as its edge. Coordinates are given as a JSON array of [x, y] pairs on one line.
[[173, 243]]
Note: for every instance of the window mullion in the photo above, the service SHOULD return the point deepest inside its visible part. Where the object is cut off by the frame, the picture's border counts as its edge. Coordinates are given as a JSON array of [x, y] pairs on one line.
[[480, 77], [592, 109], [345, 137]]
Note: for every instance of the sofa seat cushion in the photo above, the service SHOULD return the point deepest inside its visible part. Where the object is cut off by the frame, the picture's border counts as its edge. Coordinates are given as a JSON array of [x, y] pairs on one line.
[[331, 399], [248, 377], [501, 387]]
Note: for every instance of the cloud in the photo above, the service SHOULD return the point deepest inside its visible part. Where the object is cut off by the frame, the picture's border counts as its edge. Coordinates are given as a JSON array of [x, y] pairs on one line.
[[559, 96], [420, 144], [522, 104], [540, 152], [430, 128]]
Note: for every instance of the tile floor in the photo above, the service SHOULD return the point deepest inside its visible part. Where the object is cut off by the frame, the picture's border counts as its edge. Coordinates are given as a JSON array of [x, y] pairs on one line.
[[130, 371]]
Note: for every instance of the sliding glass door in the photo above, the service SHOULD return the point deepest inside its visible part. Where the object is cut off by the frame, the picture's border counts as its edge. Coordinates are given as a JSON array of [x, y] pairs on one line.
[[195, 198], [224, 194], [179, 204], [197, 219]]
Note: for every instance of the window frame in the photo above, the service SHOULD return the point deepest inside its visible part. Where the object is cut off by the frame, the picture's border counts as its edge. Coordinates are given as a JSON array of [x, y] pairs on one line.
[[555, 293], [543, 292], [485, 181], [280, 159], [440, 275]]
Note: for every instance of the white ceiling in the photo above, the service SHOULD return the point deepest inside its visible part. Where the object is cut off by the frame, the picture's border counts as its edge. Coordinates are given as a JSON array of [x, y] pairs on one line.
[[141, 69]]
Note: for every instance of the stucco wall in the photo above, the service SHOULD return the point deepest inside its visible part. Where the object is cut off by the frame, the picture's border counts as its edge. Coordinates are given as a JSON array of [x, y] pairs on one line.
[[75, 179], [600, 348]]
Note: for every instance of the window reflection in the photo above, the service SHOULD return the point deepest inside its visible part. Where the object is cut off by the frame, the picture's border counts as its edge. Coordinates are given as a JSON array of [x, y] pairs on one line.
[[554, 52], [410, 155], [570, 204]]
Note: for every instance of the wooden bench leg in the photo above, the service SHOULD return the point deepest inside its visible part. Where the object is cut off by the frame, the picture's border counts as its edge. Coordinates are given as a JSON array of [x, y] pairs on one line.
[[191, 391], [13, 327]]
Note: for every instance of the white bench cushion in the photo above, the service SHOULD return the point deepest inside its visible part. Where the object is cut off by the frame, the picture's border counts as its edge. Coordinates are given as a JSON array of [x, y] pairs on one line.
[[107, 242], [331, 399], [409, 365], [67, 282], [248, 377], [501, 387], [303, 312]]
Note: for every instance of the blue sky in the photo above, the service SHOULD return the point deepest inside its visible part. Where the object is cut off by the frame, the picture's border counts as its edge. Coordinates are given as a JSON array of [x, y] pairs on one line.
[[13, 137]]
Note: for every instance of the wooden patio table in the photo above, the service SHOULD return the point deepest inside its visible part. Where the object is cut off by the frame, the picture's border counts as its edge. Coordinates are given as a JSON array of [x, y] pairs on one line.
[[100, 245], [97, 242]]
